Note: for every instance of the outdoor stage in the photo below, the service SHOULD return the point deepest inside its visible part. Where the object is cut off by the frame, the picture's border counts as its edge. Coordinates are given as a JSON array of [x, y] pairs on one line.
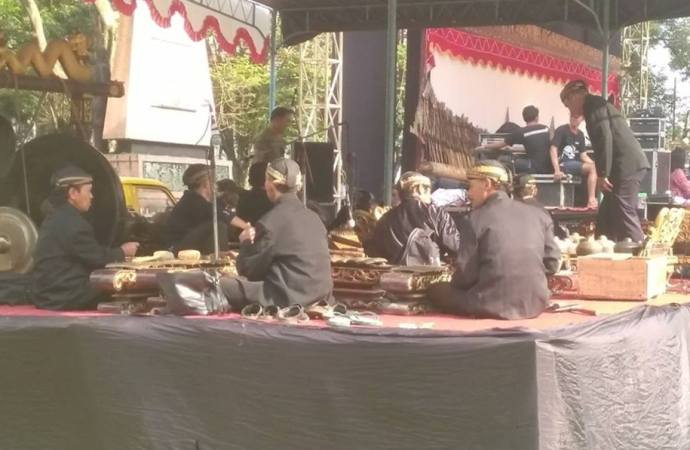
[[564, 380]]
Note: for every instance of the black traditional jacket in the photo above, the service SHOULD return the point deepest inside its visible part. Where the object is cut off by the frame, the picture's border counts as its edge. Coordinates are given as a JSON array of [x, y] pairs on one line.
[[66, 254], [289, 254], [506, 250], [414, 233], [617, 153], [190, 212]]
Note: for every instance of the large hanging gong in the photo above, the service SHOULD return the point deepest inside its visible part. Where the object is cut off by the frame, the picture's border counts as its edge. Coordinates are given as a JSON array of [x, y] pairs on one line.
[[18, 237], [46, 154]]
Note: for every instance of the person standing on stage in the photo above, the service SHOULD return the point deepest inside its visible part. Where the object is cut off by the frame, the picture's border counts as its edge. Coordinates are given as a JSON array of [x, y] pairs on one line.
[[270, 143], [620, 162], [67, 251], [416, 232], [536, 140], [506, 250], [568, 157], [284, 258]]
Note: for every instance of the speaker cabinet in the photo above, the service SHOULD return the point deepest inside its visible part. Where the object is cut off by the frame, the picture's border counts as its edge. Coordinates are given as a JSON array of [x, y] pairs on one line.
[[648, 125], [316, 160], [658, 180]]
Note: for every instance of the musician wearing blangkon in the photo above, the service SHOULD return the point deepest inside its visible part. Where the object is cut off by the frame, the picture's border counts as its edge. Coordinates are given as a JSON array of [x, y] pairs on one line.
[[506, 250], [415, 232], [621, 164]]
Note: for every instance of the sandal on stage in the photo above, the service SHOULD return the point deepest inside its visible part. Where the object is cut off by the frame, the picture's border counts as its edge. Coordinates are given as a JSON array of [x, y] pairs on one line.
[[323, 310], [365, 318], [293, 314], [252, 311]]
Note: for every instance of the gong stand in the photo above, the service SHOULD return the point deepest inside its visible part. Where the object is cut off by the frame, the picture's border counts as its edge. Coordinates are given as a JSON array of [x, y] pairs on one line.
[[78, 91]]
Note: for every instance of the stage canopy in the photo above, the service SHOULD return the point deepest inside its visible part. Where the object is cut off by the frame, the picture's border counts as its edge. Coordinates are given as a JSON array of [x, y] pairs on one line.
[[233, 22], [301, 19]]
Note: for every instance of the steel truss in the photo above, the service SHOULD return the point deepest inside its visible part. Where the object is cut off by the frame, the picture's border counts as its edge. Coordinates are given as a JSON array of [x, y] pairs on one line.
[[319, 111], [635, 82]]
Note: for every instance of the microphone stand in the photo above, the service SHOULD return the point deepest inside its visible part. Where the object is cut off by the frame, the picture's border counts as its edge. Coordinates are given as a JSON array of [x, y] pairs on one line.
[[213, 148]]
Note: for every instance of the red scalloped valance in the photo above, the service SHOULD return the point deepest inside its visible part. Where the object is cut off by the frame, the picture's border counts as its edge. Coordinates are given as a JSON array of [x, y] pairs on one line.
[[488, 51], [233, 22]]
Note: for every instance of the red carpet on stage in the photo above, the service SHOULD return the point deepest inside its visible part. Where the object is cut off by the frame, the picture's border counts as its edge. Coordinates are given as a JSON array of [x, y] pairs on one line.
[[440, 322]]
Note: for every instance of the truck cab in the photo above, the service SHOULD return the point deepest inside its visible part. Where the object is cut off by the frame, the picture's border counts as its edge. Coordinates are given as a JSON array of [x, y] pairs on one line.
[[148, 204]]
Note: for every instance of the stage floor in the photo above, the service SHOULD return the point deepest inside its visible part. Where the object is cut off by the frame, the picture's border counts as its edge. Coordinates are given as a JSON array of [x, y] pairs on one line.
[[433, 322]]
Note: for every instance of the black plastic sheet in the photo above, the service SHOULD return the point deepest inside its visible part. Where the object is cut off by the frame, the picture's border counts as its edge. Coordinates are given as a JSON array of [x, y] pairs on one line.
[[176, 383]]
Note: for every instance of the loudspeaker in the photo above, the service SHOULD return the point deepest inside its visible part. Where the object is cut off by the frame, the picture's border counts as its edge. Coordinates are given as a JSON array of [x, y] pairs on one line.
[[658, 180], [316, 160], [648, 125], [651, 142]]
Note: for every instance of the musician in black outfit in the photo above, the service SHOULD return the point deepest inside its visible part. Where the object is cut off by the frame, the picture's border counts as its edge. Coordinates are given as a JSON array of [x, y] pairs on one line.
[[620, 162]]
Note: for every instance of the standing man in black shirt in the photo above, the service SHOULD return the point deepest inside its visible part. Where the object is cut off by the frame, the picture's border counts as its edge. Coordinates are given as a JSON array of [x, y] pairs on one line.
[[568, 157], [621, 164], [536, 140]]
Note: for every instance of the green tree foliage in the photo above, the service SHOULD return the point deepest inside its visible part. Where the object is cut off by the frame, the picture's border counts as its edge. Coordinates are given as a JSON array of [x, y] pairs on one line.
[[241, 88], [675, 35]]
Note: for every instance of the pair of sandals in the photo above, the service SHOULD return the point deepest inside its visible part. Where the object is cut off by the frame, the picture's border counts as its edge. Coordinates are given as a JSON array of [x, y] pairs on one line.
[[363, 318], [337, 315], [291, 314]]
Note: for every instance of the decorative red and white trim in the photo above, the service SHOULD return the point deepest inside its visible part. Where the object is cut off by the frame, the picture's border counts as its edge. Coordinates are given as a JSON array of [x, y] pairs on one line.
[[199, 20], [483, 50]]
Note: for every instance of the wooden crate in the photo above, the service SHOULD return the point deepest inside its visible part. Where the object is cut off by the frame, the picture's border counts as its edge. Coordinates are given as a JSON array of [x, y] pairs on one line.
[[621, 277]]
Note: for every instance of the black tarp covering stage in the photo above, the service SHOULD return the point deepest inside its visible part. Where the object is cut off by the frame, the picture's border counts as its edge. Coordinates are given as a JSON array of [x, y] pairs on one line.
[[119, 382]]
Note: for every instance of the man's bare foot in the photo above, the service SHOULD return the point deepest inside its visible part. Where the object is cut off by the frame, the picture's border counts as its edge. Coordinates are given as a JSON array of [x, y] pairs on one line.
[[592, 203]]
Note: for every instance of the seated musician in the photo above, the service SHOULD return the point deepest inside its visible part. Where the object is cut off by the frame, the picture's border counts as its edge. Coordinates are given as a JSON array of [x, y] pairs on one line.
[[506, 250], [284, 258], [415, 232], [536, 140], [526, 191], [568, 157], [67, 251], [190, 224], [254, 203]]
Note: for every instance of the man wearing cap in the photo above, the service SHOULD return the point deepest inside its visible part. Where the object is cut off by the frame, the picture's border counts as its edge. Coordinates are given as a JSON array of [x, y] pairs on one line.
[[506, 251], [67, 251], [190, 224], [284, 258], [620, 162], [416, 232], [270, 144]]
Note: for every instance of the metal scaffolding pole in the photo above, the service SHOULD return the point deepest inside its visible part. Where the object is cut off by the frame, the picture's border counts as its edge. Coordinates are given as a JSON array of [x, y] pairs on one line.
[[389, 139], [273, 69], [606, 34]]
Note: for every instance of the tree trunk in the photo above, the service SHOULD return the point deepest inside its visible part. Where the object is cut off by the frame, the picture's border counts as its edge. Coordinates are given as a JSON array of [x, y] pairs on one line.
[[37, 23], [105, 10]]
